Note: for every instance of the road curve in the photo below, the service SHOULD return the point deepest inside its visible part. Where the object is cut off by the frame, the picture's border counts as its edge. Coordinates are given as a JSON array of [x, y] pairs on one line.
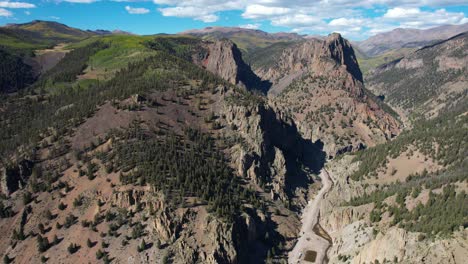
[[308, 239]]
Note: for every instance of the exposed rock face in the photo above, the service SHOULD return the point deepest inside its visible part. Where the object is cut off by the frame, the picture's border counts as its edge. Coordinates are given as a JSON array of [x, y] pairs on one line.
[[427, 81], [320, 79], [353, 233], [332, 57], [274, 149], [15, 177], [224, 59]]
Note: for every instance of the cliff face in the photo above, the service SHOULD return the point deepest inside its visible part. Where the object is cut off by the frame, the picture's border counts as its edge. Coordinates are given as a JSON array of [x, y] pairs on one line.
[[15, 177], [319, 84], [359, 240], [274, 151], [224, 59], [332, 57]]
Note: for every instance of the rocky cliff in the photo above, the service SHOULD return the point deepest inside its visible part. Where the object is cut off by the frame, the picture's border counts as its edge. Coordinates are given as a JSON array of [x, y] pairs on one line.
[[223, 58], [14, 177], [358, 240], [319, 84], [273, 151]]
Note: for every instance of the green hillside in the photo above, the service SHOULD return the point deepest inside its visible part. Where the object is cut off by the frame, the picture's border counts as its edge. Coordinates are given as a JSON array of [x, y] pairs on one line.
[[38, 34]]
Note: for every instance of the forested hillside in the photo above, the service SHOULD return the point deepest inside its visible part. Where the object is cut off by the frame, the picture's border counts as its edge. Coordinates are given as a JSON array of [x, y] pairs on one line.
[[14, 73]]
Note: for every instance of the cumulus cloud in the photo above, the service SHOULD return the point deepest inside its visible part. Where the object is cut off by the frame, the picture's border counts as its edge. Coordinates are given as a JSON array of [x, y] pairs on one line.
[[264, 12], [415, 17], [5, 13], [349, 17], [8, 4], [322, 16], [137, 10], [251, 26]]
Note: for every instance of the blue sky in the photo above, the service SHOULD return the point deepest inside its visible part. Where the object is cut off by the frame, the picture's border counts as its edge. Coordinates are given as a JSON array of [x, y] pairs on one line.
[[354, 19]]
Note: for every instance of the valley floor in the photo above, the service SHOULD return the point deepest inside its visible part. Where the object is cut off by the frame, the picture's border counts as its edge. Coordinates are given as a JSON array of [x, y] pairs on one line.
[[309, 240]]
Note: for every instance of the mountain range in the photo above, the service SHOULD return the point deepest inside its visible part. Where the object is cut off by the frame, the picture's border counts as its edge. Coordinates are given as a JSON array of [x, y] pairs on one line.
[[206, 146]]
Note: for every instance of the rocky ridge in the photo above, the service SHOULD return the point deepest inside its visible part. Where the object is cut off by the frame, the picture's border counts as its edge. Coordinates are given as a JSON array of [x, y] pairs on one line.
[[427, 81], [322, 77]]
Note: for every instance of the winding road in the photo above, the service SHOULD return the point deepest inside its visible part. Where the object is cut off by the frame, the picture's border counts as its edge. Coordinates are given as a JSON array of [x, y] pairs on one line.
[[308, 239]]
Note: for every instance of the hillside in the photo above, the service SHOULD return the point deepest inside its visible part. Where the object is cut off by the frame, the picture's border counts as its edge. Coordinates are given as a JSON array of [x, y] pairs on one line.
[[403, 200], [408, 38], [77, 175], [38, 35], [230, 145], [369, 63], [427, 81], [319, 84], [28, 50]]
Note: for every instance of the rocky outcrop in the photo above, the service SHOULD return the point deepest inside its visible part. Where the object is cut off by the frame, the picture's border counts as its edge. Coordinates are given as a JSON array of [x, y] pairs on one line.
[[359, 241], [333, 57], [224, 59], [274, 151], [319, 83], [15, 177]]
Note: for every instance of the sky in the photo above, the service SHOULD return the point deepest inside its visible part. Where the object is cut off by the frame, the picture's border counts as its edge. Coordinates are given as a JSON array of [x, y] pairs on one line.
[[354, 19]]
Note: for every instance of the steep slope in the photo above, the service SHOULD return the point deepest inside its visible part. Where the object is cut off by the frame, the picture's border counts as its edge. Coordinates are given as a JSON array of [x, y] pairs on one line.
[[368, 63], [164, 160], [405, 200], [14, 73], [427, 81], [408, 38], [319, 84], [32, 44]]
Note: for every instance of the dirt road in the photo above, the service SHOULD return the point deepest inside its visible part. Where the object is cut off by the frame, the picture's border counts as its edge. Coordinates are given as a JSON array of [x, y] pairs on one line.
[[308, 239]]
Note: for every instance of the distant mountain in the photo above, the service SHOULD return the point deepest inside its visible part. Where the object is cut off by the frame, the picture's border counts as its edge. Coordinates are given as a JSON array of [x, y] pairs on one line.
[[408, 38], [51, 30], [38, 34], [245, 39], [429, 81], [109, 32]]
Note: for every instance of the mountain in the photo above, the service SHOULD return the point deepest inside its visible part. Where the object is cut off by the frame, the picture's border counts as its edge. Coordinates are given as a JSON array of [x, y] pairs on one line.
[[38, 34], [395, 200], [408, 38], [398, 199], [109, 32], [246, 39], [19, 45], [176, 149], [231, 168], [425, 82], [319, 83]]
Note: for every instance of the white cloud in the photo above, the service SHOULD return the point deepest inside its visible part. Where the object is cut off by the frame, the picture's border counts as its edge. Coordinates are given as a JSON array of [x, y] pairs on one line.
[[251, 26], [8, 4], [136, 10], [190, 12], [348, 17], [27, 13], [262, 12], [5, 13], [416, 18], [399, 12]]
